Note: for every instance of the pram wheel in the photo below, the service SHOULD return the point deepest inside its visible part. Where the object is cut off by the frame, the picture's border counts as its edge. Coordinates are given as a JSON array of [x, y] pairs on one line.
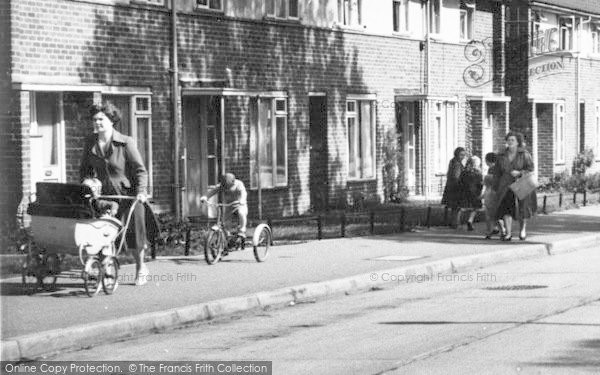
[[92, 277], [110, 275], [51, 270], [30, 278]]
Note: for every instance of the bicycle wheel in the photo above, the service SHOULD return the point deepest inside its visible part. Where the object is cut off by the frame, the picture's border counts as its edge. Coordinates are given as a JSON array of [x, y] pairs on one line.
[[110, 274], [213, 248], [92, 277], [261, 242]]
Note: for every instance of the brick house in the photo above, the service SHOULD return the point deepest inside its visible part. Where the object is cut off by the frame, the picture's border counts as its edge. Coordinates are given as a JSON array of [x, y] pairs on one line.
[[553, 78], [322, 99]]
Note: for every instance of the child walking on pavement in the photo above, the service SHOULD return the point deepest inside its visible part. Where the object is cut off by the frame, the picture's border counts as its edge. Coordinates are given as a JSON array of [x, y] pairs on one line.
[[490, 198]]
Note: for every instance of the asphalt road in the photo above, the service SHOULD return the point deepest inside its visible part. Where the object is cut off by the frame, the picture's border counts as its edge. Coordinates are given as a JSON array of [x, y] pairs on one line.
[[539, 316], [182, 281]]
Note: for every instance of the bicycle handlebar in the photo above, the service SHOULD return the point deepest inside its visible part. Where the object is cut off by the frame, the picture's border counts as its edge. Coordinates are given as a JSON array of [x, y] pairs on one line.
[[221, 204], [127, 197]]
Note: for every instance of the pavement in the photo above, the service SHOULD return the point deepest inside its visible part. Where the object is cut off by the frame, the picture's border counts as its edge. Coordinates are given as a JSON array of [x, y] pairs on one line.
[[184, 290]]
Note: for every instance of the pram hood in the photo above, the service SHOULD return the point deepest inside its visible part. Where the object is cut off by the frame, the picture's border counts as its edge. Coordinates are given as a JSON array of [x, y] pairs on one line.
[[62, 200]]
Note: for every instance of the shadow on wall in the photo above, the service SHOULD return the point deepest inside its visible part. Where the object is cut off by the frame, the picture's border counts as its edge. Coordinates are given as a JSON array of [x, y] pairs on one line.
[[130, 47]]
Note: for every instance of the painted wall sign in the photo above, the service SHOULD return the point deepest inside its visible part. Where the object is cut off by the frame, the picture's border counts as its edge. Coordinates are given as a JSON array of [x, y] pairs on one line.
[[547, 68]]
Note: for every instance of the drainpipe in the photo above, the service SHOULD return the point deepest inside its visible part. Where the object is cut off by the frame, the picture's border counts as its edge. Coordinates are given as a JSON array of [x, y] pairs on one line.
[[580, 140], [427, 103], [176, 120]]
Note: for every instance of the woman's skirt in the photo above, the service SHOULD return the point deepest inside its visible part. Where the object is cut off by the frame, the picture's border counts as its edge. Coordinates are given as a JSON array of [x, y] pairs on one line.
[[517, 209], [136, 238]]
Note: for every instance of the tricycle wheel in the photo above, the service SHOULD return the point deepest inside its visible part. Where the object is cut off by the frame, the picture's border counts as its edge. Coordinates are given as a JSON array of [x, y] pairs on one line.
[[110, 277], [213, 247], [92, 277], [261, 241]]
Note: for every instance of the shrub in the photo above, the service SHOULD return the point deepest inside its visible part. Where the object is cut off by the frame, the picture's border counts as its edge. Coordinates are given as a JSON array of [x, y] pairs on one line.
[[583, 161]]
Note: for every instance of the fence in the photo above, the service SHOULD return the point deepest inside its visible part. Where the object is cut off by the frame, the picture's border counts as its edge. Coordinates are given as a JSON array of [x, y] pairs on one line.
[[397, 218]]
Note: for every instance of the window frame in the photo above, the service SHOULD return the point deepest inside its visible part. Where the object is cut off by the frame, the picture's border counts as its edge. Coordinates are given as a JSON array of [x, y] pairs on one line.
[[468, 9], [594, 31], [443, 146], [401, 10], [431, 14], [566, 31], [559, 129], [597, 125], [275, 114], [208, 7], [134, 115], [347, 20], [356, 114], [158, 3], [275, 13]]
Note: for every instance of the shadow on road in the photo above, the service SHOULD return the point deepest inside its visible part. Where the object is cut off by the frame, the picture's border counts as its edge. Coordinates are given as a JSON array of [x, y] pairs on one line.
[[585, 354]]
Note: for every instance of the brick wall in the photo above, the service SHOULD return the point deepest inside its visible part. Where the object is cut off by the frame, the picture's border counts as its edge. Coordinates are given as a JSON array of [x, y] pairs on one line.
[[130, 46], [10, 141]]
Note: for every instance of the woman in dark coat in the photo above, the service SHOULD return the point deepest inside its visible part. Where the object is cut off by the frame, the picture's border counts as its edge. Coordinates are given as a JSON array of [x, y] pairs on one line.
[[471, 186], [513, 163], [452, 194], [114, 159]]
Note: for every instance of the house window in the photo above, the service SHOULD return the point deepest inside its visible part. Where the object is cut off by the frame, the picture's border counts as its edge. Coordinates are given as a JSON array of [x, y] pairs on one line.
[[559, 134], [151, 2], [536, 39], [598, 130], [282, 9], [445, 134], [136, 121], [360, 122], [595, 39], [401, 15], [566, 34], [209, 4], [349, 12], [271, 133], [435, 12], [466, 21]]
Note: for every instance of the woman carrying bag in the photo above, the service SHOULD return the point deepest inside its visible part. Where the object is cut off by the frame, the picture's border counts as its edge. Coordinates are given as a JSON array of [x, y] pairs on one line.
[[515, 187]]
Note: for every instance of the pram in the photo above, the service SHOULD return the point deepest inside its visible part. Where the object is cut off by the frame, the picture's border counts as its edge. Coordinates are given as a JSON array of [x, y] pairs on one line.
[[63, 221]]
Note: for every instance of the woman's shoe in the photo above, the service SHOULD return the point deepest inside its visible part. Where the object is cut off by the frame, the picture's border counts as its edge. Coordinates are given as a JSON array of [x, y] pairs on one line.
[[469, 226], [522, 236], [507, 238], [142, 276]]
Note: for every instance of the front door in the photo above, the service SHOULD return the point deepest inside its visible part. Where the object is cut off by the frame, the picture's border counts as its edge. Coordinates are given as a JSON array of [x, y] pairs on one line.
[[487, 141], [319, 183], [47, 138], [406, 126], [202, 122]]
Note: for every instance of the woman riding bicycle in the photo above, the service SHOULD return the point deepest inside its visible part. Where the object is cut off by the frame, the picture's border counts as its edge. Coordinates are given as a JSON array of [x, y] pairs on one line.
[[233, 193]]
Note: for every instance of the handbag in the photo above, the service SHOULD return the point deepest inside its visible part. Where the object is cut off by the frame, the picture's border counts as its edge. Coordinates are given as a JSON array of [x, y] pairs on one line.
[[524, 185]]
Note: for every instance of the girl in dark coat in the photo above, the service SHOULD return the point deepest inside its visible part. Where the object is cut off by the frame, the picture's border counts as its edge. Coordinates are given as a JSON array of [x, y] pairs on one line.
[[471, 186], [512, 164], [452, 194]]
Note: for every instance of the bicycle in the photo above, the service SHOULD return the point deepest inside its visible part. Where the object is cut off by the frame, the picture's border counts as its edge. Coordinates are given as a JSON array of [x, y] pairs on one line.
[[220, 241]]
